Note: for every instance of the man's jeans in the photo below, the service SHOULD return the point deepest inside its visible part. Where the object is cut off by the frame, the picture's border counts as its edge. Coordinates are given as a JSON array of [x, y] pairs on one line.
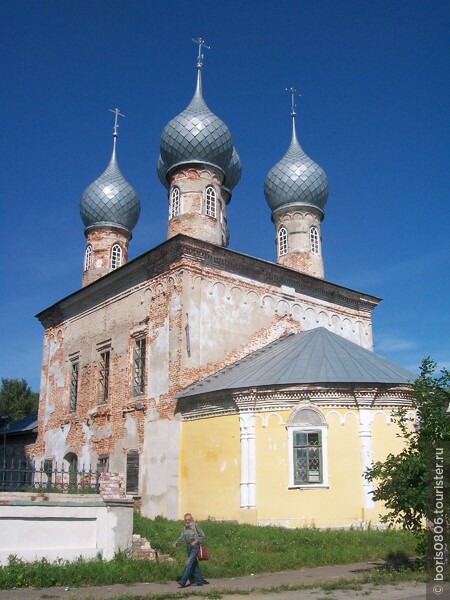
[[192, 566]]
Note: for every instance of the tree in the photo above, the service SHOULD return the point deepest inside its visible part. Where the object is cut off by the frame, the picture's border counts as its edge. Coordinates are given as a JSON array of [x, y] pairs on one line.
[[16, 399], [404, 482]]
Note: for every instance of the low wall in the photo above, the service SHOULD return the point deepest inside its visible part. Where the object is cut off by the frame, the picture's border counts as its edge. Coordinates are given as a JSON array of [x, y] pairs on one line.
[[52, 526]]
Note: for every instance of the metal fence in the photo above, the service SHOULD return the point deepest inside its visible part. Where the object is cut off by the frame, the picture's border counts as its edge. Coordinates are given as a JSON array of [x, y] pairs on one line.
[[22, 476]]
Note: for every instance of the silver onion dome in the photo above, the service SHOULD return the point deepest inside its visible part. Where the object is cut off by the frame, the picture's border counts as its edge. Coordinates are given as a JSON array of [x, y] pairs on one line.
[[296, 180], [233, 172], [197, 135], [161, 170], [110, 199]]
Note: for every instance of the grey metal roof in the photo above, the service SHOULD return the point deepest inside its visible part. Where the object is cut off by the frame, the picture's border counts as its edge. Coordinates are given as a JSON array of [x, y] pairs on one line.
[[315, 356], [110, 199], [296, 180], [21, 425], [197, 135]]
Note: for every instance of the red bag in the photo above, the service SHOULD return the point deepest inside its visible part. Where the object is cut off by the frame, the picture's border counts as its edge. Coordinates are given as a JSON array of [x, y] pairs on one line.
[[202, 554]]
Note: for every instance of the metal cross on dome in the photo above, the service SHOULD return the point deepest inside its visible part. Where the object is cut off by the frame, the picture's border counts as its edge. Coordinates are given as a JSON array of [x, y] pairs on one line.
[[117, 114], [201, 43], [293, 93]]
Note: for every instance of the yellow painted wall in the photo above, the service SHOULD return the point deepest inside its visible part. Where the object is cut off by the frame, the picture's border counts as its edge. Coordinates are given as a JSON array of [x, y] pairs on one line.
[[384, 441], [339, 504], [210, 468], [384, 437], [210, 471]]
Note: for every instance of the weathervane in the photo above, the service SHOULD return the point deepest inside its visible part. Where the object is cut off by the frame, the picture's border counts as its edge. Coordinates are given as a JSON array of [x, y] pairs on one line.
[[201, 43], [293, 93], [117, 114]]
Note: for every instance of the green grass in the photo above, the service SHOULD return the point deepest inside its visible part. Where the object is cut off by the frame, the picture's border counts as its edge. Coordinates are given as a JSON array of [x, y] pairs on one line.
[[241, 549], [234, 550]]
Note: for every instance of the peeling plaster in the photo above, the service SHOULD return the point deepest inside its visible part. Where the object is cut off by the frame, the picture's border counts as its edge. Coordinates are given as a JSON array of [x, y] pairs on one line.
[[131, 427], [159, 355], [55, 442], [102, 432]]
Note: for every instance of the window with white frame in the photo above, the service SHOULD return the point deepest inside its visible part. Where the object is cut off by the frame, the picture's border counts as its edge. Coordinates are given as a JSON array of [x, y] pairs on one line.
[[116, 256], [308, 437], [174, 203], [282, 241], [314, 240], [139, 352], [210, 201], [74, 373], [88, 257]]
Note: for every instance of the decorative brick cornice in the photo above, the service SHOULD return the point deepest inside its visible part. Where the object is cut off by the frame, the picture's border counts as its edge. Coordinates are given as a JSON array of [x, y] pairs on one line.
[[181, 252]]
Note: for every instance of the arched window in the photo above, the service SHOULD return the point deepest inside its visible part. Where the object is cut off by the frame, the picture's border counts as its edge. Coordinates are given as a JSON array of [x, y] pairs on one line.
[[71, 469], [308, 448], [174, 210], [210, 201], [282, 241], [116, 256], [88, 257], [314, 240]]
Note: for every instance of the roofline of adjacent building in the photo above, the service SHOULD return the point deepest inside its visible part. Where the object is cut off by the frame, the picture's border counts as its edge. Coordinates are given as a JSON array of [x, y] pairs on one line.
[[161, 257]]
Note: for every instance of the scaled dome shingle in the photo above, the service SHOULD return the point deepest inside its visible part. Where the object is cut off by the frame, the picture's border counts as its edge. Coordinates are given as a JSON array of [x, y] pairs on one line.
[[296, 180], [110, 200], [197, 135]]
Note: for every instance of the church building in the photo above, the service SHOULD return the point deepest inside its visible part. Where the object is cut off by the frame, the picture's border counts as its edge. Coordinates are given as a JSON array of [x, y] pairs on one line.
[[218, 383]]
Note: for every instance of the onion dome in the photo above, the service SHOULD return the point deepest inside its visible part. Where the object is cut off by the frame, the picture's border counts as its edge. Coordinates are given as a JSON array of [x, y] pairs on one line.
[[110, 199], [233, 173], [296, 180], [197, 135]]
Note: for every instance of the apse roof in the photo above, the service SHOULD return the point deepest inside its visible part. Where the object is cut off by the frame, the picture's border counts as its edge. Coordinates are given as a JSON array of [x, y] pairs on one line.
[[315, 356]]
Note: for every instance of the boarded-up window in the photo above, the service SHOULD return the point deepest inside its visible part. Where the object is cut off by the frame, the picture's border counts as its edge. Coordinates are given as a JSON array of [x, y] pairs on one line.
[[133, 472], [103, 464]]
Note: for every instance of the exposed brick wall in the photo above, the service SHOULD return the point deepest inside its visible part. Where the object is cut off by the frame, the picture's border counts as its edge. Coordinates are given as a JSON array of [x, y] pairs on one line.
[[192, 220], [299, 255], [198, 312], [101, 241], [112, 485]]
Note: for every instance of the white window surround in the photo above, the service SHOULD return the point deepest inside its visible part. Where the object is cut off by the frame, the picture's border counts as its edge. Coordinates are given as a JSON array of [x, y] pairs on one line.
[[175, 204], [324, 466], [88, 257], [314, 240], [282, 241], [308, 420], [210, 201], [116, 256]]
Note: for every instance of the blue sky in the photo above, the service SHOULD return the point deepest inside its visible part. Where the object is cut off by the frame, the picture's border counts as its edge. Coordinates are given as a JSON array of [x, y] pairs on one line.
[[374, 113]]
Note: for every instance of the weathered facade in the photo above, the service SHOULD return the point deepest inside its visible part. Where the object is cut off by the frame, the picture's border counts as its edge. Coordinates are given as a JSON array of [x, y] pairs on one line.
[[120, 352]]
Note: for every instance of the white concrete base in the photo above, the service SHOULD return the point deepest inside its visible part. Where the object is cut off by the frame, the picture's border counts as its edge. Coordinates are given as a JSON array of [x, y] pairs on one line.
[[59, 526]]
